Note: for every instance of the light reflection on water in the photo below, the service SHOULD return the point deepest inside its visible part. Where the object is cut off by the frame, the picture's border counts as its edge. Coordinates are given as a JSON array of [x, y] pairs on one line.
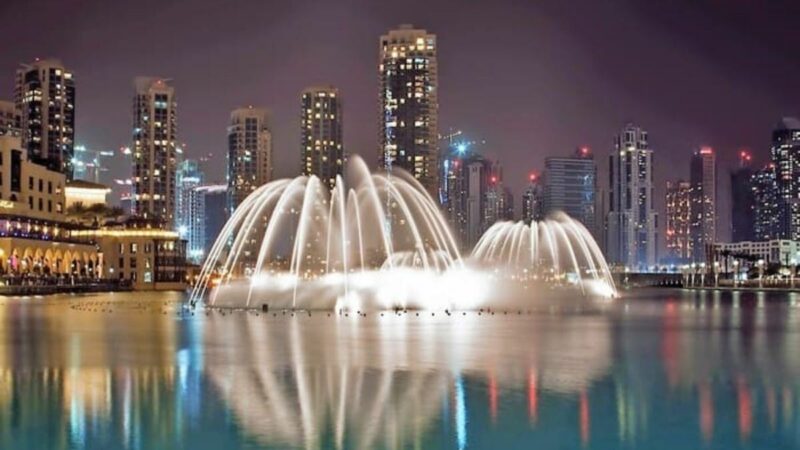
[[658, 369]]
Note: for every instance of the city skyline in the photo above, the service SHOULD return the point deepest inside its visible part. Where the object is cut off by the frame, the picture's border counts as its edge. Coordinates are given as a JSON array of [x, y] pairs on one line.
[[724, 88]]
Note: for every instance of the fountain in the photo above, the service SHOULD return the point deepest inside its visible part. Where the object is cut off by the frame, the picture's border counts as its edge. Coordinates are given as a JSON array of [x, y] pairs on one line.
[[557, 251], [376, 241]]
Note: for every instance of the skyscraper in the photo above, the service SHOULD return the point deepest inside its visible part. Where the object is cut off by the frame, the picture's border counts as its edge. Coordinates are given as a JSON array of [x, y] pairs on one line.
[[632, 221], [678, 232], [10, 120], [249, 154], [409, 104], [703, 178], [189, 223], [465, 176], [154, 150], [498, 201], [742, 200], [533, 200], [570, 184], [214, 200], [45, 97], [766, 216], [786, 157], [321, 123]]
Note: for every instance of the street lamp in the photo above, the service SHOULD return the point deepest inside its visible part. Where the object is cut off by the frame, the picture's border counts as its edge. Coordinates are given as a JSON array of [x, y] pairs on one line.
[[760, 273], [735, 272]]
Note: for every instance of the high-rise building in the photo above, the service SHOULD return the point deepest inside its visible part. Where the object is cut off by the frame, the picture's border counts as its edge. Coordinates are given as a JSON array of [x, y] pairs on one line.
[[703, 178], [498, 202], [678, 232], [214, 200], [766, 198], [465, 176], [409, 104], [45, 98], [10, 119], [742, 200], [533, 200], [632, 221], [321, 123], [570, 184], [786, 157], [249, 154], [189, 216], [154, 150]]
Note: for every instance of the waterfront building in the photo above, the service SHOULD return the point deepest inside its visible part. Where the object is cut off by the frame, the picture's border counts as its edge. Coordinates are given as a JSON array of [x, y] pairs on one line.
[[533, 200], [35, 236], [678, 220], [785, 152], [322, 144], [139, 252], [409, 91], [766, 214], [570, 186], [784, 252], [632, 220], [45, 98], [10, 119], [703, 178], [154, 150], [743, 204], [249, 161]]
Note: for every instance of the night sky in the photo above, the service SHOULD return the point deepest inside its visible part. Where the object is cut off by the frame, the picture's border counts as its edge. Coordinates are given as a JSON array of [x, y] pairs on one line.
[[532, 78]]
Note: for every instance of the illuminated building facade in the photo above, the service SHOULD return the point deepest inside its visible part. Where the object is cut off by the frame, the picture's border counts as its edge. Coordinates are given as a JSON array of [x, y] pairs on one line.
[[766, 216], [35, 236], [409, 104], [147, 257], [632, 220], [570, 186], [786, 158], [249, 154], [10, 119], [321, 130], [703, 178], [533, 200], [45, 98], [498, 202], [209, 213], [743, 204], [678, 220], [154, 150]]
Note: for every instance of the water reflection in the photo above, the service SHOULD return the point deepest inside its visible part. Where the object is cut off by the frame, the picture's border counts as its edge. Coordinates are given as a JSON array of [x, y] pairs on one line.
[[685, 370]]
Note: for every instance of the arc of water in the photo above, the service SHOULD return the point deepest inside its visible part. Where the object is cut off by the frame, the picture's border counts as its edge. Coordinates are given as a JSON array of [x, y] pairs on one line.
[[353, 200], [213, 256], [361, 168], [394, 194], [571, 252], [265, 241], [551, 245], [302, 231]]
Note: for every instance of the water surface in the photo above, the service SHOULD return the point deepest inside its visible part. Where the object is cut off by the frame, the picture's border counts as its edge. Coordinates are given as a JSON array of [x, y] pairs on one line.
[[658, 369]]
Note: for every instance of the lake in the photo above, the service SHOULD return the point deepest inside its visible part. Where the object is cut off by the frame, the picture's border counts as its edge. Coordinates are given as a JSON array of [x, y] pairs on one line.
[[655, 369]]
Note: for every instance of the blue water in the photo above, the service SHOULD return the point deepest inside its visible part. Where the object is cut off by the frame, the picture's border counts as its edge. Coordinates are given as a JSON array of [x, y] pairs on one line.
[[658, 369]]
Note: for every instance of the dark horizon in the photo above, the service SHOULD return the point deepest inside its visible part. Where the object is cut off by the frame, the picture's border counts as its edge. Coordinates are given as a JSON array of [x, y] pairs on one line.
[[532, 80]]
